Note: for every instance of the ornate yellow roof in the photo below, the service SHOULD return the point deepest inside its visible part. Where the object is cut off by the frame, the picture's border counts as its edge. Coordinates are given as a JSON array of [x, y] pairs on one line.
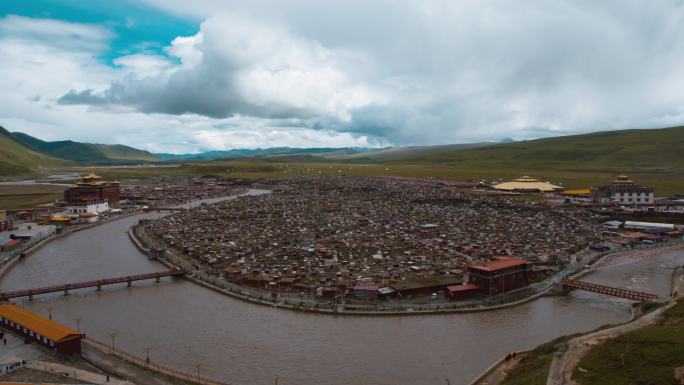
[[528, 184]]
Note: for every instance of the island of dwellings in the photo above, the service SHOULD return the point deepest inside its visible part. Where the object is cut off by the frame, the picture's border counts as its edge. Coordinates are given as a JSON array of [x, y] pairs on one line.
[[164, 192], [526, 184], [336, 233]]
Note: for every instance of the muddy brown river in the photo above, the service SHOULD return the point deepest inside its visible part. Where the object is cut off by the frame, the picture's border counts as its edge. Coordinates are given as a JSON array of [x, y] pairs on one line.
[[244, 343]]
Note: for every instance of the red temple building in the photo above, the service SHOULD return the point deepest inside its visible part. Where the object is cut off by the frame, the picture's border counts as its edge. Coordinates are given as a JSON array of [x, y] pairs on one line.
[[501, 275], [91, 188]]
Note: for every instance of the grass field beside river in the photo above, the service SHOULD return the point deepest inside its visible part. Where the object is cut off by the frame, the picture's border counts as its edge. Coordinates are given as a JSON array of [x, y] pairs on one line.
[[665, 182], [649, 355], [14, 197]]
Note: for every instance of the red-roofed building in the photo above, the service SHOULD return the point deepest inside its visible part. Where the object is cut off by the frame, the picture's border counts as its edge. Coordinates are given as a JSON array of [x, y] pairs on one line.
[[459, 292], [92, 188], [366, 291], [9, 245], [501, 275]]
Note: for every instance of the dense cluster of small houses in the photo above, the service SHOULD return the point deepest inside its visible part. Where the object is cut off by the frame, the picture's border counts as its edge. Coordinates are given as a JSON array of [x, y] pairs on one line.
[[331, 234], [168, 191]]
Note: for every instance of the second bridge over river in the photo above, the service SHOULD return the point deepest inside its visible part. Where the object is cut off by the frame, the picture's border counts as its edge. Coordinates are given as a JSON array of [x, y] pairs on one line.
[[607, 290], [129, 279]]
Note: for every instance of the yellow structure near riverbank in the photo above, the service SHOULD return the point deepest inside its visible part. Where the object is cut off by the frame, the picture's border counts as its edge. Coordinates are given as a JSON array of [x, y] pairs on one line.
[[527, 184]]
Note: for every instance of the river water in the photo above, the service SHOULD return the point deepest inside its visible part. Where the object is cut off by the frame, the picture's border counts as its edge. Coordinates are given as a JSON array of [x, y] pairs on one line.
[[244, 343]]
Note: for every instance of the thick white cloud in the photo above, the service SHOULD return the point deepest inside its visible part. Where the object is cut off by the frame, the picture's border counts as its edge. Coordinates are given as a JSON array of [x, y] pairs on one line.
[[451, 71], [238, 67], [358, 72], [41, 60]]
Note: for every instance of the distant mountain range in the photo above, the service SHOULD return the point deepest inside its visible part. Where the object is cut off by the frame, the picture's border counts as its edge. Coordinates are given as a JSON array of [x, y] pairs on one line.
[[657, 150], [265, 152], [321, 153]]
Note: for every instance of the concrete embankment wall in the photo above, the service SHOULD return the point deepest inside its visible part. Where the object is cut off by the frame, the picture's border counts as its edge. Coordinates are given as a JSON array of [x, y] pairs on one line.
[[139, 361], [239, 295], [492, 368]]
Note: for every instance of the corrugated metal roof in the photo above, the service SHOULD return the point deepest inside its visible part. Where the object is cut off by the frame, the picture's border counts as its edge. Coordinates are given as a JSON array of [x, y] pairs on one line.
[[37, 323], [501, 264], [10, 243], [464, 287]]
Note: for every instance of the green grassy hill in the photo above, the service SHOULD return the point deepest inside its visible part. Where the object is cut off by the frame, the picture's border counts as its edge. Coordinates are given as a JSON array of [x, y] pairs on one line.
[[17, 159], [87, 153], [654, 150], [399, 153]]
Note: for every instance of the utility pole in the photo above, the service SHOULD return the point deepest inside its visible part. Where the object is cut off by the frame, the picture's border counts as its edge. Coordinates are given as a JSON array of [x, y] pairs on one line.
[[198, 372], [147, 354], [113, 334]]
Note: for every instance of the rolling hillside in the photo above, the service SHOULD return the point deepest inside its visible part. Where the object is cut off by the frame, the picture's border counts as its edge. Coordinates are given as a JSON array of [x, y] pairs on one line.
[[86, 153], [399, 153], [17, 159], [652, 150]]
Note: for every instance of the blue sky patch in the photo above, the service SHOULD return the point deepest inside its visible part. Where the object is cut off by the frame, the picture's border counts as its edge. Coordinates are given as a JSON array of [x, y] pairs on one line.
[[137, 27]]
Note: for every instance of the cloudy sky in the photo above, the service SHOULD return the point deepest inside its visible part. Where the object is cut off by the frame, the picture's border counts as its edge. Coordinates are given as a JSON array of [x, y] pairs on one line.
[[195, 75]]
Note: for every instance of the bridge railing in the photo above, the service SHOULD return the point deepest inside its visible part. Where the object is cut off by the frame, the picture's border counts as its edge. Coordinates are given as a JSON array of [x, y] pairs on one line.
[[137, 360], [617, 292], [93, 283]]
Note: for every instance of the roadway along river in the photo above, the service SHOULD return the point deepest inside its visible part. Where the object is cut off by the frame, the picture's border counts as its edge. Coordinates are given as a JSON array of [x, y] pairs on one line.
[[243, 343]]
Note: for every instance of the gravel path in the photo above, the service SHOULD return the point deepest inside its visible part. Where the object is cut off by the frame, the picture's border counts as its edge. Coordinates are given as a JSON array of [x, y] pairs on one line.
[[563, 366]]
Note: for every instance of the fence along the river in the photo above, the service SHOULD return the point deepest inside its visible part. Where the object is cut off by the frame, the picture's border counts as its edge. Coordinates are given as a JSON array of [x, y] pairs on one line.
[[132, 358]]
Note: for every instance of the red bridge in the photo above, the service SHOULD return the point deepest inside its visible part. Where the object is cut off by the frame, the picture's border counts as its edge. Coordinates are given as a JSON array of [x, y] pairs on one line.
[[129, 279], [615, 292]]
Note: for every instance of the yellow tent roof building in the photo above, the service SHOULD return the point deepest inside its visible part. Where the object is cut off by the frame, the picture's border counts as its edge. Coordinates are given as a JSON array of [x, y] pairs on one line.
[[527, 184], [46, 332]]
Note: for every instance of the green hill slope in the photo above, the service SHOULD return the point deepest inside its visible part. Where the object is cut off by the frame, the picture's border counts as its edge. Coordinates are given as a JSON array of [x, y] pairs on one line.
[[88, 153], [18, 159], [399, 153], [653, 150]]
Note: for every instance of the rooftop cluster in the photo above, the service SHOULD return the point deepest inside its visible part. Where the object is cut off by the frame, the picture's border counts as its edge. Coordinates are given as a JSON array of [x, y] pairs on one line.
[[342, 231], [165, 192]]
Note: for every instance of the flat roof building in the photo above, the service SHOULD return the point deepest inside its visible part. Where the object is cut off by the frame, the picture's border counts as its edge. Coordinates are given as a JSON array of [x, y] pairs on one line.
[[501, 275], [464, 291], [624, 191], [41, 330]]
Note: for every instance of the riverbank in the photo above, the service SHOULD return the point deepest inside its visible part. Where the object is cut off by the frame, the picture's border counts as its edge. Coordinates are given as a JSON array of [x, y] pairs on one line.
[[144, 242], [652, 353], [558, 361], [54, 236], [174, 261], [101, 352], [31, 363], [186, 324], [229, 336]]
